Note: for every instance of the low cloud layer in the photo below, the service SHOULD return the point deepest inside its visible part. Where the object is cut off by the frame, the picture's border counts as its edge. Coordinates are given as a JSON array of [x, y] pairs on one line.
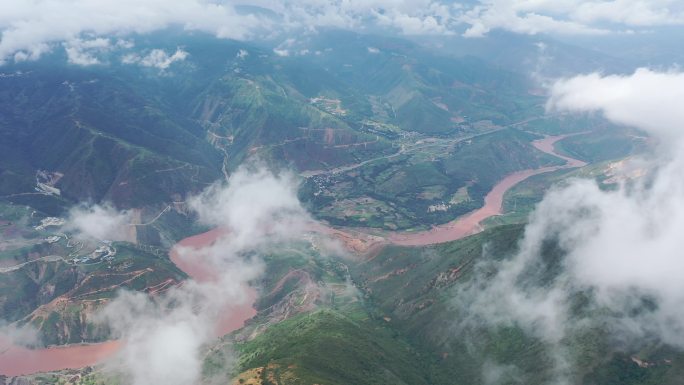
[[32, 28], [620, 250], [164, 336], [254, 204], [645, 99], [571, 17], [156, 58], [80, 52], [99, 222], [11, 334]]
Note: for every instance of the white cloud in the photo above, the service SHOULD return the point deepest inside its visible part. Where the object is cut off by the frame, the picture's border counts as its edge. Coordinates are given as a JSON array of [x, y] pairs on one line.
[[83, 52], [373, 50], [253, 204], [645, 99], [281, 52], [25, 335], [125, 44], [163, 336], [285, 48], [520, 17], [100, 222], [428, 18], [636, 13], [30, 27], [570, 17], [79, 57], [156, 58], [162, 345]]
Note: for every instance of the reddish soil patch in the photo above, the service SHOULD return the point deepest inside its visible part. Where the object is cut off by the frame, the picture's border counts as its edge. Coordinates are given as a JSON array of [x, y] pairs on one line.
[[329, 136]]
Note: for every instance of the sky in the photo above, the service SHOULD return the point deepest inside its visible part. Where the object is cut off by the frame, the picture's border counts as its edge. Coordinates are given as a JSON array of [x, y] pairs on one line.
[[31, 28]]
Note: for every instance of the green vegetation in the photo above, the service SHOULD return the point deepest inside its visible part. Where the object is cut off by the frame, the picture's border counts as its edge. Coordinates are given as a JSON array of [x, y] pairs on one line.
[[418, 90], [417, 288], [59, 297], [603, 145], [328, 347], [84, 376]]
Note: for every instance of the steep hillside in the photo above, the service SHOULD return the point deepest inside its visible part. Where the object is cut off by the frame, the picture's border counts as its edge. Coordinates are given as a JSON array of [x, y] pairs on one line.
[[59, 299], [419, 89], [417, 289], [98, 137], [138, 135]]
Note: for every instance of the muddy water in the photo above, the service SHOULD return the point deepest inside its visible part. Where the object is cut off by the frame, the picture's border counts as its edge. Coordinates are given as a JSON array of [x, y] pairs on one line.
[[17, 360], [470, 223], [233, 316]]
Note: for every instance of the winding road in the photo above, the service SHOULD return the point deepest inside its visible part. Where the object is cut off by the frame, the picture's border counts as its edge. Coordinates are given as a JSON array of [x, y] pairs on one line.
[[16, 360]]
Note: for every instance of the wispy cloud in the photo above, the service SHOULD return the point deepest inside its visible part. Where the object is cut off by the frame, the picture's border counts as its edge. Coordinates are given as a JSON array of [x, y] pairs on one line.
[[164, 336], [569, 17], [645, 99], [11, 334], [99, 222], [32, 28]]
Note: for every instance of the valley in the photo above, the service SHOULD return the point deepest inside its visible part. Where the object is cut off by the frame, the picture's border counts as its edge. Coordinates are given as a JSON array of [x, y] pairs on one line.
[[15, 361]]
